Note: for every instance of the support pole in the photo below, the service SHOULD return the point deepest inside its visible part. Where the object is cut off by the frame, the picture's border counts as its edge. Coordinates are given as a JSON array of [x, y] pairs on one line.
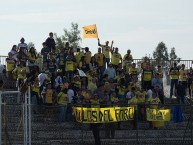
[[0, 118]]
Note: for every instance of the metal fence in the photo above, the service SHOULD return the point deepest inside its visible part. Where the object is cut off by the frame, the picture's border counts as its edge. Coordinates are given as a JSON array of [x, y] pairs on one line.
[[47, 130], [188, 63], [3, 60]]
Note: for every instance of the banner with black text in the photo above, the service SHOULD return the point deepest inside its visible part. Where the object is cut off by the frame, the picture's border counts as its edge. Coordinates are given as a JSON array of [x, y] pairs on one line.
[[103, 115], [90, 31], [158, 114]]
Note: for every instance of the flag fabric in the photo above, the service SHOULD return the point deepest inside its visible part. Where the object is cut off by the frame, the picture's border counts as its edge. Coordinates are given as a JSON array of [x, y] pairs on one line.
[[81, 73], [90, 31]]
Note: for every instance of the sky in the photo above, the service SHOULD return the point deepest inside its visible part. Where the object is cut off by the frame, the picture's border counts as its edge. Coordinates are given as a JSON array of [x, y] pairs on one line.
[[138, 25]]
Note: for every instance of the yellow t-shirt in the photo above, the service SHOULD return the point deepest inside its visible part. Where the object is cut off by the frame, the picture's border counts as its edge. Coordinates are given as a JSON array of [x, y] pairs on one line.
[[36, 89], [183, 75], [131, 85], [134, 102], [114, 100], [147, 75], [69, 65], [31, 58], [116, 57], [17, 70], [95, 103], [99, 59], [174, 74], [106, 50], [48, 96], [133, 71], [127, 68], [144, 64], [77, 84], [121, 90], [62, 98], [154, 101], [78, 56], [61, 58], [21, 76], [88, 57], [85, 94], [141, 96], [92, 86], [127, 58], [10, 65]]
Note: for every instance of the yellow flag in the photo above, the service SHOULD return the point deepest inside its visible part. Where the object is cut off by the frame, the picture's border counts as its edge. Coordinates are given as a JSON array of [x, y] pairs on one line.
[[158, 114], [90, 31]]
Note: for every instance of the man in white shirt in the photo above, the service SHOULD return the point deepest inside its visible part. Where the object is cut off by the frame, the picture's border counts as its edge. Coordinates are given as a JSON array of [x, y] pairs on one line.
[[130, 94], [110, 71], [23, 45], [70, 93], [42, 77]]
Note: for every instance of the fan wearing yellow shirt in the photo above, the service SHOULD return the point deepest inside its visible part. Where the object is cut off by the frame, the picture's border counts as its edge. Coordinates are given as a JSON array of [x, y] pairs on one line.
[[69, 67], [78, 56], [63, 101], [61, 59], [116, 57], [17, 70], [85, 93], [106, 49], [145, 62], [48, 94], [174, 76], [31, 59], [154, 101], [114, 99], [141, 98], [128, 58], [183, 76], [87, 58], [92, 85], [95, 102], [10, 64], [147, 77], [35, 94], [131, 84], [76, 82], [133, 71], [100, 60]]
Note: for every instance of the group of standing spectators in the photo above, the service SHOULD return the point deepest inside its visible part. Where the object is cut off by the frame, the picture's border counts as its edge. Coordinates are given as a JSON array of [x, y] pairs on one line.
[[74, 76]]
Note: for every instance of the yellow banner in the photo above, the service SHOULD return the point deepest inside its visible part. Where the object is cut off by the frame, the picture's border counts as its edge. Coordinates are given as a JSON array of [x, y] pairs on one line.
[[158, 114], [103, 115], [90, 31]]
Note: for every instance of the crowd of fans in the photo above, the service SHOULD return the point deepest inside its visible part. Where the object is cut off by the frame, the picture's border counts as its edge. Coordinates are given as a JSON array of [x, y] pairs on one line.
[[81, 78]]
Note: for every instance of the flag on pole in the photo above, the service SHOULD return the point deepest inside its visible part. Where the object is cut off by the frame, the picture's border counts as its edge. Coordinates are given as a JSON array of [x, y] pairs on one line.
[[90, 31]]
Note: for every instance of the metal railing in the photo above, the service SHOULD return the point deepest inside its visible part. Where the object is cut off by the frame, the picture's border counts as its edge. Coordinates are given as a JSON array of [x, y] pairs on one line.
[[188, 63], [46, 129], [3, 60]]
